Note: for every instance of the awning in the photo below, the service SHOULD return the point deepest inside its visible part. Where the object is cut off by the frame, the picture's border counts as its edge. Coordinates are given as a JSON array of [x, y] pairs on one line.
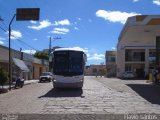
[[21, 65]]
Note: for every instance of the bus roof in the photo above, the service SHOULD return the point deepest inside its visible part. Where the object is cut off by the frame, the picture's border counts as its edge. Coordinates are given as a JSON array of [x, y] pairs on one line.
[[68, 49]]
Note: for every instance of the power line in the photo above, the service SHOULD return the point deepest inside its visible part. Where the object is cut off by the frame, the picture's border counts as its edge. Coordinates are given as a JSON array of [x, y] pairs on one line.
[[12, 35], [27, 44], [5, 25], [19, 39], [15, 36], [3, 29], [27, 33]]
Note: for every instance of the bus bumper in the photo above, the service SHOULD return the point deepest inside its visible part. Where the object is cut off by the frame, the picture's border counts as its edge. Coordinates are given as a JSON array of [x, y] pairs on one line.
[[67, 85]]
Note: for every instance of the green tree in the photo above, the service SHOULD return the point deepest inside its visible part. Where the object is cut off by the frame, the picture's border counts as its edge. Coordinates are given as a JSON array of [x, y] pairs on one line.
[[41, 55], [3, 76], [102, 72]]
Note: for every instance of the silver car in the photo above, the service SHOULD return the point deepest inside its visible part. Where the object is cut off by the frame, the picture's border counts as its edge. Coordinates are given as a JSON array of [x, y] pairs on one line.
[[46, 76], [128, 74]]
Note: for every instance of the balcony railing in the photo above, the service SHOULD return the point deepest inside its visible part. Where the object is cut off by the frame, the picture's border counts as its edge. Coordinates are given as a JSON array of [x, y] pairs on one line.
[[135, 59]]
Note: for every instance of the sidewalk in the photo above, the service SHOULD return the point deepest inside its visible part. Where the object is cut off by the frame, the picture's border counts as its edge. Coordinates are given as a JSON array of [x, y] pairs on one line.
[[26, 82]]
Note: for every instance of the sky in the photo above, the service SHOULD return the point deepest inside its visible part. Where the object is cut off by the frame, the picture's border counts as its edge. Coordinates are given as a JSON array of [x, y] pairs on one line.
[[91, 25]]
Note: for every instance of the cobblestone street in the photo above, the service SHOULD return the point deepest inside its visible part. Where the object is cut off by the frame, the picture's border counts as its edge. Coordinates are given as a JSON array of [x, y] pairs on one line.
[[98, 96]]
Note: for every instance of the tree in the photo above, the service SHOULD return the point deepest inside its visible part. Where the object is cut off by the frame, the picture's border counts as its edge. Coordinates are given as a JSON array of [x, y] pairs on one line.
[[95, 71], [41, 55], [102, 72], [3, 76]]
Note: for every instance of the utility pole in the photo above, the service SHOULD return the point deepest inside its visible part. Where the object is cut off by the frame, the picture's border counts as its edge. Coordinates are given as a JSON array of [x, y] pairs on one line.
[[50, 43], [49, 50]]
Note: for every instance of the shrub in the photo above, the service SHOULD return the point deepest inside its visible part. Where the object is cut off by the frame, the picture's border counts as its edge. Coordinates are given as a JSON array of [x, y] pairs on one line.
[[3, 76]]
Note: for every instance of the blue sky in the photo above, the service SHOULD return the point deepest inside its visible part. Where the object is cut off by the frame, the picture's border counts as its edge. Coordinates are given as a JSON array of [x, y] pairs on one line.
[[92, 25]]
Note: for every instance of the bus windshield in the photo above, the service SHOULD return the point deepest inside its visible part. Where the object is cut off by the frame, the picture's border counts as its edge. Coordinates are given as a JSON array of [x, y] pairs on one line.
[[68, 63]]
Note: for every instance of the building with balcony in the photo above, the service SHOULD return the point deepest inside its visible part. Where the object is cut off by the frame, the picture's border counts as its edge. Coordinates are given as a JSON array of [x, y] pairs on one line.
[[137, 45]]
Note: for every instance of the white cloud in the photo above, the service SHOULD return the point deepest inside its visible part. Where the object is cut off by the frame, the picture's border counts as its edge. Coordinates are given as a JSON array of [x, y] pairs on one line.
[[156, 2], [76, 28], [42, 24], [79, 19], [16, 34], [29, 51], [35, 39], [1, 42], [115, 16], [91, 57], [62, 22], [33, 22], [135, 0], [46, 23], [60, 30], [79, 48], [2, 38], [96, 57], [88, 55], [113, 48]]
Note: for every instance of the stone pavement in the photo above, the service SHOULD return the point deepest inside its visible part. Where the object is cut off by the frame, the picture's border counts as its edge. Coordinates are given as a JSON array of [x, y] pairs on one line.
[[96, 97], [147, 90]]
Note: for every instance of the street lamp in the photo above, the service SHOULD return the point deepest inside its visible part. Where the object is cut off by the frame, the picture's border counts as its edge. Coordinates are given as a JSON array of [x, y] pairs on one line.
[[10, 71], [22, 14], [9, 67]]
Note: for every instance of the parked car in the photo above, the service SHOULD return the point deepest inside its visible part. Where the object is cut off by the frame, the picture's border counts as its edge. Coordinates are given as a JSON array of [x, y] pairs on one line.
[[128, 74], [46, 76]]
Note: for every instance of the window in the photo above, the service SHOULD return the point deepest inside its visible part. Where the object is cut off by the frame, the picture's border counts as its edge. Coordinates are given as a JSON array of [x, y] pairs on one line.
[[128, 68], [68, 63]]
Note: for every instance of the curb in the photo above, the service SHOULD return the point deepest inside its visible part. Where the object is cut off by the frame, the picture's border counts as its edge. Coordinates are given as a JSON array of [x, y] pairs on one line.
[[25, 83], [28, 83]]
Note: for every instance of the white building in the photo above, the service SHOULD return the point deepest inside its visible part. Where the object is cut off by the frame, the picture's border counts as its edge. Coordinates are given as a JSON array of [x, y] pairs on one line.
[[136, 48]]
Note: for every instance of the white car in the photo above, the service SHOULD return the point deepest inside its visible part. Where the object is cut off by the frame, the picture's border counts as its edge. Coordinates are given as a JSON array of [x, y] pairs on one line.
[[46, 76], [128, 74]]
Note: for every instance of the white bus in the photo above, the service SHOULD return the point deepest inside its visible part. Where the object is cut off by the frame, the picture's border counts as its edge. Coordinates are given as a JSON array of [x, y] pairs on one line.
[[68, 67]]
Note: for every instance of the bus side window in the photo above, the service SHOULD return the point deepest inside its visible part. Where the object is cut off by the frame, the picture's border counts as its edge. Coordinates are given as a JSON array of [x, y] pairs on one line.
[[85, 57], [53, 61]]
